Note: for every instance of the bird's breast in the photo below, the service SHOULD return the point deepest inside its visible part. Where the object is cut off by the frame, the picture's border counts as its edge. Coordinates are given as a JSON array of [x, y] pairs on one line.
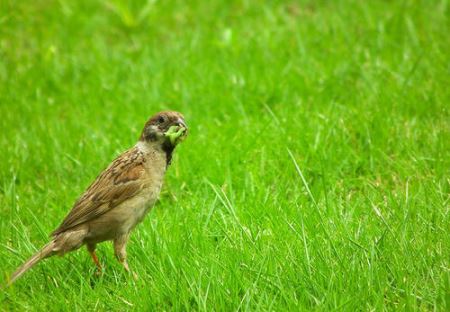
[[138, 207]]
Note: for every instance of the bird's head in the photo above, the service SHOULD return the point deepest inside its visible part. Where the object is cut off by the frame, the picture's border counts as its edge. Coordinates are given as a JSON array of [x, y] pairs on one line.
[[167, 128]]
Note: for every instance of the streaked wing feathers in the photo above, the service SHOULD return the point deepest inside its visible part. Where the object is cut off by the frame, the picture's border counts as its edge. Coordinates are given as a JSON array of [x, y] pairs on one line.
[[120, 181]]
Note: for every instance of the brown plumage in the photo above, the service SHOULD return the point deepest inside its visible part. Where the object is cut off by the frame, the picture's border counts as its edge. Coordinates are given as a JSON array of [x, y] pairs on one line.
[[119, 198]]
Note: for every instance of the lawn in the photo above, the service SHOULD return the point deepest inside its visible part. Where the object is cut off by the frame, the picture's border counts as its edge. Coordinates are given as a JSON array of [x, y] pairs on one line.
[[316, 173]]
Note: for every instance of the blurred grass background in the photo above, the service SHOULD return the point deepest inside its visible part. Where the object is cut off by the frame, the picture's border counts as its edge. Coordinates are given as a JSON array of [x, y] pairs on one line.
[[351, 95]]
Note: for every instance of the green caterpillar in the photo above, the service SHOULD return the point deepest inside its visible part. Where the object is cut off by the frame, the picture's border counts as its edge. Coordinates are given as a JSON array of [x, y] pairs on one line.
[[174, 133]]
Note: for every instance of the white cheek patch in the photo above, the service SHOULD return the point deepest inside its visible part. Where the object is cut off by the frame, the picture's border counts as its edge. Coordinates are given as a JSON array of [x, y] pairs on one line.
[[152, 133], [154, 128]]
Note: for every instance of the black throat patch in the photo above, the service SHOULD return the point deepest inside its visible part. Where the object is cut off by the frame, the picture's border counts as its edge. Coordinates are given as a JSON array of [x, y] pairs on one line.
[[168, 148]]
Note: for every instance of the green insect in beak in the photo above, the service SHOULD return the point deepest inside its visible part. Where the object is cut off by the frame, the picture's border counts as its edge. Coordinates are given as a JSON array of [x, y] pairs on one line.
[[175, 134]]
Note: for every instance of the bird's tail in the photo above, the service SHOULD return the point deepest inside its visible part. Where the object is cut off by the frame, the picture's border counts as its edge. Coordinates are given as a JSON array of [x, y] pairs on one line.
[[45, 252]]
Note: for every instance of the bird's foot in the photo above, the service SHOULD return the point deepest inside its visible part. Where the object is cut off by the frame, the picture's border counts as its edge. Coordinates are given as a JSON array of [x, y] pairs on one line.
[[128, 270], [98, 272]]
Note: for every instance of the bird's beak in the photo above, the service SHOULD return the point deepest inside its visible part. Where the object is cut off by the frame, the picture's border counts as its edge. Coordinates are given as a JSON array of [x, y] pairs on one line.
[[177, 132], [180, 122]]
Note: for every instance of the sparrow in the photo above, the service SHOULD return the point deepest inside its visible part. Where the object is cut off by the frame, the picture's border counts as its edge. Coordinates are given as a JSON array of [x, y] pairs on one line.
[[119, 198]]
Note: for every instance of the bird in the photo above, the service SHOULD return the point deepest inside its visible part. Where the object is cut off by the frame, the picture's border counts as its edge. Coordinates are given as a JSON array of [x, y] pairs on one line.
[[119, 198]]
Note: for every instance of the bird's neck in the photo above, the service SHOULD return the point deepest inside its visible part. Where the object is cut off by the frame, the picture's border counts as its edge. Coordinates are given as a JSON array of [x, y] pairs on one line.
[[168, 148], [152, 147]]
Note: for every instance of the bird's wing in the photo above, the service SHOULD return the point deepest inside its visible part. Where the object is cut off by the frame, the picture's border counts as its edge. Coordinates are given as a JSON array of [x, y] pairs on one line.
[[123, 179]]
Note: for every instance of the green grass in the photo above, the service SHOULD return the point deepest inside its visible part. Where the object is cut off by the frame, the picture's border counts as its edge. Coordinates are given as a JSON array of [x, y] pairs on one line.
[[316, 174]]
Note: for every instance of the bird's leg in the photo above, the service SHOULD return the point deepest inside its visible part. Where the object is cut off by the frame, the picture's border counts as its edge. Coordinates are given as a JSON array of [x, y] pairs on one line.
[[91, 250], [120, 250]]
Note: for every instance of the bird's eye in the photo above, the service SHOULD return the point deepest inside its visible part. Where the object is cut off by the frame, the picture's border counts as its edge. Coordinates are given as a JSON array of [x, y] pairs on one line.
[[161, 119]]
